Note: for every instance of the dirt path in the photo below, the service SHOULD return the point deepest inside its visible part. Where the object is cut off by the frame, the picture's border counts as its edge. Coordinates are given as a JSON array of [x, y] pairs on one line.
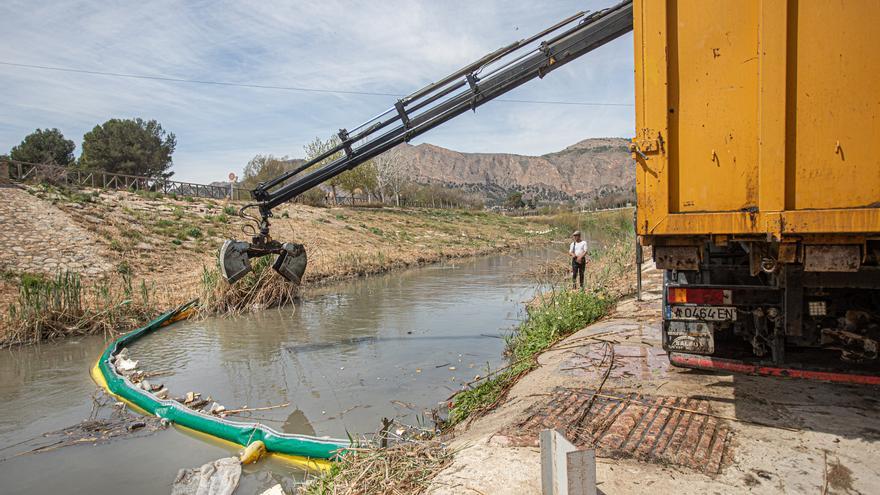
[[668, 430]]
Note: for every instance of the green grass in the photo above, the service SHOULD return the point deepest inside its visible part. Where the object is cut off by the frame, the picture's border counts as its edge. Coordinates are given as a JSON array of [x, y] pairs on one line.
[[560, 314], [615, 223], [131, 234], [80, 197], [150, 194]]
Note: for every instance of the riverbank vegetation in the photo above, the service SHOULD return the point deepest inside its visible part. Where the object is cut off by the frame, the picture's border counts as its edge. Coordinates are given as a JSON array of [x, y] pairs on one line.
[[48, 308], [557, 315], [125, 241], [262, 288], [402, 468]]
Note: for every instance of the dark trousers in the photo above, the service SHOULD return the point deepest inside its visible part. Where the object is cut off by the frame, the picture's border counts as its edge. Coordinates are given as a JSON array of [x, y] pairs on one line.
[[577, 271]]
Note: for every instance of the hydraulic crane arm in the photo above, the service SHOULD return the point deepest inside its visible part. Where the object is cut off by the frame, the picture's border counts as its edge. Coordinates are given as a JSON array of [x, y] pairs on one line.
[[466, 89]]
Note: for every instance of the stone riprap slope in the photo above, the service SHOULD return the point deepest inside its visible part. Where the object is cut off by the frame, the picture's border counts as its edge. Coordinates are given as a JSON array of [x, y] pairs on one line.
[[40, 238]]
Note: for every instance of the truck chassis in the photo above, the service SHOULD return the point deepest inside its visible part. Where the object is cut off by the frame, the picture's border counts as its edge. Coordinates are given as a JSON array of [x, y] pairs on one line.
[[736, 307]]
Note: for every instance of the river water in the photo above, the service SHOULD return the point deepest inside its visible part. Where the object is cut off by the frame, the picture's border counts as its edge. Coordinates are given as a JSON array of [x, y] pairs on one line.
[[347, 355]]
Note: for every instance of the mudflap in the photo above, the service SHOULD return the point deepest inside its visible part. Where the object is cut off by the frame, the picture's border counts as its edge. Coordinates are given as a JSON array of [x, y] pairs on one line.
[[693, 337], [710, 363]]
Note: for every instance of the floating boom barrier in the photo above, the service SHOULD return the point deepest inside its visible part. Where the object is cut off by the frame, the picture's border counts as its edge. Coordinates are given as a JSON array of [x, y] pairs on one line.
[[304, 450]]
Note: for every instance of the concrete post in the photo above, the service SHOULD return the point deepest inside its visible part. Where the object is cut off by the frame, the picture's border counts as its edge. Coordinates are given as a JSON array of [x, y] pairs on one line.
[[565, 470]]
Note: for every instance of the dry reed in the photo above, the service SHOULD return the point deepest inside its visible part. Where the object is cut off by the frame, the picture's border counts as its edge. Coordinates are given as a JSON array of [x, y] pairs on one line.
[[403, 468], [48, 308], [262, 288]]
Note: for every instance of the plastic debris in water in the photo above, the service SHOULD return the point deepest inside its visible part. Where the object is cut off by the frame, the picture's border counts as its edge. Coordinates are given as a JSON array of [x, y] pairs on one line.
[[125, 364]]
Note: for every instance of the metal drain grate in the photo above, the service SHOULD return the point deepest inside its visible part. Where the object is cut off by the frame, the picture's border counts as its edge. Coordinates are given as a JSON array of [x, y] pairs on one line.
[[669, 430]]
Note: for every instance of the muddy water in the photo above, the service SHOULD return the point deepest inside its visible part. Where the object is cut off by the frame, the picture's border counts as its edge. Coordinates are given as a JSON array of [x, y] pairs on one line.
[[348, 355]]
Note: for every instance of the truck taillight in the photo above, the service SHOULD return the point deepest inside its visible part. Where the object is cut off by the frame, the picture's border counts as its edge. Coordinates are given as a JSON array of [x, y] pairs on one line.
[[698, 296]]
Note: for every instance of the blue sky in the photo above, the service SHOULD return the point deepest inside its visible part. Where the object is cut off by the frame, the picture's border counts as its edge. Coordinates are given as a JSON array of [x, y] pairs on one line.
[[386, 47]]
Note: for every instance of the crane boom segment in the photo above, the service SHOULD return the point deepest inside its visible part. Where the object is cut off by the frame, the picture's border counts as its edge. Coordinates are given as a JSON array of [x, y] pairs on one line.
[[436, 103], [465, 89]]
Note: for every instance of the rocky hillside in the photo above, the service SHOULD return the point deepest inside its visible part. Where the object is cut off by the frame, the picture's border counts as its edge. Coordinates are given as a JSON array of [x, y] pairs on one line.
[[582, 171]]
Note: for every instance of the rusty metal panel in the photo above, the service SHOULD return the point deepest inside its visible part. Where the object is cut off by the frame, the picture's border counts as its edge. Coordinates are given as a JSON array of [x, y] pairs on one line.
[[713, 103], [830, 258], [833, 122], [757, 117], [649, 38], [677, 258]]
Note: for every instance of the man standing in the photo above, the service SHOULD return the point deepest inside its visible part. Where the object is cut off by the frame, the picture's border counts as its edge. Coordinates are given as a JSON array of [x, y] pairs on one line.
[[578, 253]]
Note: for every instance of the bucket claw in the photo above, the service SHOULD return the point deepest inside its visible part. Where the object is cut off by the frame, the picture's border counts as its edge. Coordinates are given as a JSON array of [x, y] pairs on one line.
[[235, 259], [291, 264]]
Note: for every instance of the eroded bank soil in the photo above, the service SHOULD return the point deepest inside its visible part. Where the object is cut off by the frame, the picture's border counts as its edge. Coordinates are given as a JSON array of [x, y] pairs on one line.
[[167, 243], [670, 430]]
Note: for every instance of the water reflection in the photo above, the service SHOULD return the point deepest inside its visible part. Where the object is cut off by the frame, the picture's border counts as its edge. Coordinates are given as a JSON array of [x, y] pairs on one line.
[[297, 422]]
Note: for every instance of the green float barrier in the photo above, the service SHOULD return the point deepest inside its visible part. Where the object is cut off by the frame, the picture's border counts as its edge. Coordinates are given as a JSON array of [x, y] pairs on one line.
[[239, 433]]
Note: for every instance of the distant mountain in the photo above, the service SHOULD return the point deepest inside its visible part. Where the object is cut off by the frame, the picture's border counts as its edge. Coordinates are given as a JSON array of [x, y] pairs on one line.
[[583, 171], [591, 170]]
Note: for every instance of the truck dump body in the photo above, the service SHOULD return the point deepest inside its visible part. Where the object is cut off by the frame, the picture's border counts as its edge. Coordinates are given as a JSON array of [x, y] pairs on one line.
[[757, 117], [757, 180]]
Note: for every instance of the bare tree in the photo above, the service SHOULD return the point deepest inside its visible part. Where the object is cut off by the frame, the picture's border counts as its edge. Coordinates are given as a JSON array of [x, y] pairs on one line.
[[390, 176], [319, 146]]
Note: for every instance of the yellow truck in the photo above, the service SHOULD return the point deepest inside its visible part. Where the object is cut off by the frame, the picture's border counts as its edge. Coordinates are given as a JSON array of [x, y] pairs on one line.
[[757, 180]]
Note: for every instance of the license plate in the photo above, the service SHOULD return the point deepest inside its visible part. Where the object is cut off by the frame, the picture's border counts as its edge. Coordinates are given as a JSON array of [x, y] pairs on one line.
[[704, 313]]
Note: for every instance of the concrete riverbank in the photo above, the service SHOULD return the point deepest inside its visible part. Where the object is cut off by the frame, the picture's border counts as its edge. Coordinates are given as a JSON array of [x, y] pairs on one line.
[[667, 430]]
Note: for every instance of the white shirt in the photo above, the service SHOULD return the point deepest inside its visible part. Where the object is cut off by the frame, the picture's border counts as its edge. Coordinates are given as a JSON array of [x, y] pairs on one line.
[[578, 248]]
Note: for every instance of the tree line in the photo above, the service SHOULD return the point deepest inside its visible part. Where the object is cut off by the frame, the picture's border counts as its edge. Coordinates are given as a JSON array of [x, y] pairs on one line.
[[142, 147], [383, 179], [122, 146]]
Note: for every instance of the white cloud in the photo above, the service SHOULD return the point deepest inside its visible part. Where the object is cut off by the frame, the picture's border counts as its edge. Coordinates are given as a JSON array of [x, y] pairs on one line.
[[390, 47]]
